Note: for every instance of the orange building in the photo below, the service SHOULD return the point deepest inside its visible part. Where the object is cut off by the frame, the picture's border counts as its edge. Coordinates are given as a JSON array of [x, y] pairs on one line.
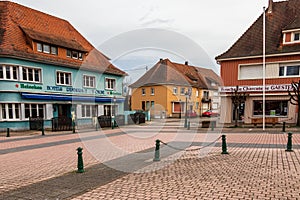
[[242, 66], [170, 89]]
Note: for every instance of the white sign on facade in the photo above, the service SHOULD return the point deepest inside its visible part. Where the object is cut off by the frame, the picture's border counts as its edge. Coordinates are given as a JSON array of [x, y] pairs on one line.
[[257, 88]]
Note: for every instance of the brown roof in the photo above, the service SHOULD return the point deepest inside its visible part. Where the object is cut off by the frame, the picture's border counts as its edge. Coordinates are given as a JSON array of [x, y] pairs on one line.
[[166, 72], [19, 23], [284, 15]]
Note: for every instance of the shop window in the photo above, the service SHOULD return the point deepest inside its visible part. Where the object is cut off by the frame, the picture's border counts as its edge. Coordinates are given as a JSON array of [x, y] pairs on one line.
[[34, 110], [272, 107], [63, 78], [9, 72], [88, 110], [10, 111], [110, 84], [89, 81]]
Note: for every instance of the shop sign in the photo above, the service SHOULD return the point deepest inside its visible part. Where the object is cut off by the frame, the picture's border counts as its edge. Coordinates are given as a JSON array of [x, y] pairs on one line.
[[75, 90], [29, 86], [247, 88]]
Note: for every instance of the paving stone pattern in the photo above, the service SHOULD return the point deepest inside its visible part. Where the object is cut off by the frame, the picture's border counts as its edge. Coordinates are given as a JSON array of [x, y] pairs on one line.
[[257, 167]]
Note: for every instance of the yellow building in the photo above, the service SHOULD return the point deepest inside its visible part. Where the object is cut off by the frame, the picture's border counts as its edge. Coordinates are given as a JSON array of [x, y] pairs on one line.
[[170, 89]]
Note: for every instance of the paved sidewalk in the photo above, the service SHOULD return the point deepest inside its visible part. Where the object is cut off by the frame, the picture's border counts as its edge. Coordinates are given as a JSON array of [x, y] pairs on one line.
[[44, 167]]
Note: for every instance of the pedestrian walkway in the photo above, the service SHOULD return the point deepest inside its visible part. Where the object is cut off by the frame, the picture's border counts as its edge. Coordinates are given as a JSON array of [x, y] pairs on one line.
[[44, 167]]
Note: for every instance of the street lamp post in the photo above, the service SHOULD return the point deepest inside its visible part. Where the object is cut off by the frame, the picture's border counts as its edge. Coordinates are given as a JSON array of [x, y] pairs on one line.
[[185, 117], [114, 114]]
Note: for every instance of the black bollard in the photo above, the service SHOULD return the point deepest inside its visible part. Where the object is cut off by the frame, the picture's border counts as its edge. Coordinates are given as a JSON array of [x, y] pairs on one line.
[[157, 153], [283, 127], [224, 145], [43, 129], [212, 125], [7, 132], [189, 125], [80, 160], [73, 126], [289, 143]]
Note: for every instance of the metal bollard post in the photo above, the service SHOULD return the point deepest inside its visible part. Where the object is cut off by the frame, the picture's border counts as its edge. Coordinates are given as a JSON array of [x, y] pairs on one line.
[[224, 145], [80, 160], [7, 132], [43, 129], [157, 153], [212, 126], [283, 127], [189, 125], [73, 126], [289, 143]]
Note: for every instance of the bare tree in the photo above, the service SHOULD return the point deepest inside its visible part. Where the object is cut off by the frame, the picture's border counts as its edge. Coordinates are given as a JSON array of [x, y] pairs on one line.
[[295, 97], [237, 98]]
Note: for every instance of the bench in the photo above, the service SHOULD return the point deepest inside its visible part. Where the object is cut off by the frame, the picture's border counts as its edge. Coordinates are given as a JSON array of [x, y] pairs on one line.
[[268, 120]]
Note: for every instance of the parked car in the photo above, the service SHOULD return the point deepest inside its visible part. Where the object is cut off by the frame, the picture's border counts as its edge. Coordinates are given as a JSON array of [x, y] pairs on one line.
[[210, 113]]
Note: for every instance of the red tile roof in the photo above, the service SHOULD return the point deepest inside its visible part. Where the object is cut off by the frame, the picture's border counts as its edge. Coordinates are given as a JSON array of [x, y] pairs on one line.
[[285, 15], [18, 23], [166, 72]]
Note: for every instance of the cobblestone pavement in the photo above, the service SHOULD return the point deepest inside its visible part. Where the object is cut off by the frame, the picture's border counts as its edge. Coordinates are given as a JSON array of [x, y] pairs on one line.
[[257, 166]]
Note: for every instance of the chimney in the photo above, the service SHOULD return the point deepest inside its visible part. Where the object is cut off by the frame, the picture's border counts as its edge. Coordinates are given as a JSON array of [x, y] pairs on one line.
[[160, 60], [186, 63], [270, 7]]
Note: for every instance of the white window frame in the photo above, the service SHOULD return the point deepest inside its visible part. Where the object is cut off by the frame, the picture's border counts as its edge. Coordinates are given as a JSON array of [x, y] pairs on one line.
[[87, 81], [34, 69], [92, 111], [108, 85], [5, 107], [175, 90], [65, 74], [11, 72], [152, 91], [38, 106], [286, 69]]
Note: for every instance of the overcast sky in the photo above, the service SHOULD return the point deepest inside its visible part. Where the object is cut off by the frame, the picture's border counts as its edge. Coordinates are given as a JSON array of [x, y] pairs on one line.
[[213, 25]]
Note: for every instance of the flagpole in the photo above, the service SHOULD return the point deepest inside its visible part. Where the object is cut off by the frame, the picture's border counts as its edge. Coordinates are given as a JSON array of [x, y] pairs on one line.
[[264, 67]]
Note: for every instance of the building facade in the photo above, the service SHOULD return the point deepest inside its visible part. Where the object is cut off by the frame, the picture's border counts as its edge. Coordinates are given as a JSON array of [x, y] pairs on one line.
[[170, 89], [49, 71], [242, 66]]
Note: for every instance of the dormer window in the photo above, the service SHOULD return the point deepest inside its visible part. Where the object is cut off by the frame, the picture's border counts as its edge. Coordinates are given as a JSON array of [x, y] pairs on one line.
[[74, 54], [46, 48], [296, 36]]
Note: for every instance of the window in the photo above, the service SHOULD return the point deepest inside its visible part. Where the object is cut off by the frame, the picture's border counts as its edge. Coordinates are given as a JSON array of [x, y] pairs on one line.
[[175, 90], [89, 81], [88, 110], [296, 36], [46, 48], [143, 91], [74, 54], [152, 91], [250, 72], [272, 107], [69, 53], [110, 84], [289, 70], [143, 105], [182, 91], [39, 47], [197, 93], [31, 74], [54, 50], [10, 111], [34, 110], [63, 78], [9, 72]]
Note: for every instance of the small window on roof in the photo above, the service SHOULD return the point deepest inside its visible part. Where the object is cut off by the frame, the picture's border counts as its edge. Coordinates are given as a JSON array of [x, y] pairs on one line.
[[39, 47], [296, 36], [75, 54], [69, 53], [46, 48]]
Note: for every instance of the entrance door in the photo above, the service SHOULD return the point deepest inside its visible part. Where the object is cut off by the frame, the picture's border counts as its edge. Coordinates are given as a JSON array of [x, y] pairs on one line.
[[240, 112], [64, 110]]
